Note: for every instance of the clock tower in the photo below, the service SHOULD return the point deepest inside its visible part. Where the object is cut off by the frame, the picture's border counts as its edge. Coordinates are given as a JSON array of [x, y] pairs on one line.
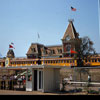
[[69, 34]]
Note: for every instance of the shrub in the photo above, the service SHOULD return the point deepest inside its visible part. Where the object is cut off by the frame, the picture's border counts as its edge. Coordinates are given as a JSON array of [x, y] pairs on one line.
[[93, 92]]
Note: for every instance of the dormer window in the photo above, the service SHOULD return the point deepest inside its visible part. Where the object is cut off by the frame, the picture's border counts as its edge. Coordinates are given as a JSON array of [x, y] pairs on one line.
[[33, 49], [52, 51], [68, 38], [59, 50]]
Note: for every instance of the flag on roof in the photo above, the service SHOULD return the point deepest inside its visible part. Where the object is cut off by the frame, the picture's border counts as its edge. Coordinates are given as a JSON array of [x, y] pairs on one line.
[[11, 46], [73, 52], [73, 9]]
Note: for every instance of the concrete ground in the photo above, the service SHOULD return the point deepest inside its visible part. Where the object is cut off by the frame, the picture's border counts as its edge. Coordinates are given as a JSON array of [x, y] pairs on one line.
[[67, 88], [9, 92]]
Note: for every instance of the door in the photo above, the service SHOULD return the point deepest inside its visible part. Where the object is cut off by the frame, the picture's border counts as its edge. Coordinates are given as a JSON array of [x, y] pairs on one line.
[[40, 80], [35, 80]]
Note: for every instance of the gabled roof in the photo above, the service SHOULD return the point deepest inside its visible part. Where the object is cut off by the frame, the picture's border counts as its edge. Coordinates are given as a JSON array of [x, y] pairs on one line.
[[71, 31], [34, 46]]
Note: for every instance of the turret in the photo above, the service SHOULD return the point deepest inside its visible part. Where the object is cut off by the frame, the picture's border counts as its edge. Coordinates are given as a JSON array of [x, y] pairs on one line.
[[10, 54]]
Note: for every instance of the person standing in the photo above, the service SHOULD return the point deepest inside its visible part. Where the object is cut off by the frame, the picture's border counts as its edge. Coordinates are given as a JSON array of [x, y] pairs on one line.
[[70, 78], [4, 80], [89, 78]]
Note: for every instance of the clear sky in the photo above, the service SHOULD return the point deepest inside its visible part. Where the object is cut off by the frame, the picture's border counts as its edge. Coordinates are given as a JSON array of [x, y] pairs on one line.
[[21, 20]]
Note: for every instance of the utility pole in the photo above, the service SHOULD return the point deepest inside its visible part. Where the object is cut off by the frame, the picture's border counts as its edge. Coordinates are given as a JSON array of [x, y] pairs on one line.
[[99, 14], [43, 55]]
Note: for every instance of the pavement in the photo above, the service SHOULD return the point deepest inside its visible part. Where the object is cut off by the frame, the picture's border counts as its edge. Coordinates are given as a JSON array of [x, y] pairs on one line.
[[10, 92], [67, 87]]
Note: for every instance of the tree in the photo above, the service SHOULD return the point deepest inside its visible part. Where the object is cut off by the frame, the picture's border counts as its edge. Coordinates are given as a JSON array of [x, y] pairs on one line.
[[84, 49]]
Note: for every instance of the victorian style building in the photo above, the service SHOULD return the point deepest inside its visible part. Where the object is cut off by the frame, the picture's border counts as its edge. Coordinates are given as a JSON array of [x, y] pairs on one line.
[[39, 50]]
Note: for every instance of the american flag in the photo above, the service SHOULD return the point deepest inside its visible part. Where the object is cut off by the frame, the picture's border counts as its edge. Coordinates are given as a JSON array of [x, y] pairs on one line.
[[73, 9]]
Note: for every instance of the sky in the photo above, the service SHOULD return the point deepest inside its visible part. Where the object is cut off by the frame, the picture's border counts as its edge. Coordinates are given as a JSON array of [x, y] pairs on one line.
[[22, 20]]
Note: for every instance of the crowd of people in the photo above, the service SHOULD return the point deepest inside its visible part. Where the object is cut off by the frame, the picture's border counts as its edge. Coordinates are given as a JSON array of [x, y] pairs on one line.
[[10, 81]]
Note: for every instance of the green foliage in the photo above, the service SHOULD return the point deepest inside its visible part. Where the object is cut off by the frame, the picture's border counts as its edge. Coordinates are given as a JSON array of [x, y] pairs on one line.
[[93, 92], [84, 49]]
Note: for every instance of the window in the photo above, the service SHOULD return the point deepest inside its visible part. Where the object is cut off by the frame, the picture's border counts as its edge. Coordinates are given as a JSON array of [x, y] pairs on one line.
[[48, 61], [46, 52], [92, 60], [53, 51], [56, 61], [33, 62], [68, 48], [33, 49], [64, 61], [67, 61], [86, 60], [59, 61], [70, 61], [98, 60], [73, 61], [95, 60], [59, 50]]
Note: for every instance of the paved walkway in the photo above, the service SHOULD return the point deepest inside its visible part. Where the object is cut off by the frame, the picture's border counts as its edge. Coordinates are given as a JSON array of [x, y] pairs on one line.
[[10, 92], [7, 92]]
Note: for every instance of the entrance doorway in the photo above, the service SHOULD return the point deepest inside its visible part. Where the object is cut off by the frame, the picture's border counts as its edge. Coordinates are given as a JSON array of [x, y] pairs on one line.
[[40, 80], [35, 80]]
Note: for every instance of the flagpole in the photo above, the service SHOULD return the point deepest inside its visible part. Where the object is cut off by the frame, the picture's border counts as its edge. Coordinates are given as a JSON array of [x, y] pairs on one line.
[[99, 14], [43, 55], [0, 55], [38, 37]]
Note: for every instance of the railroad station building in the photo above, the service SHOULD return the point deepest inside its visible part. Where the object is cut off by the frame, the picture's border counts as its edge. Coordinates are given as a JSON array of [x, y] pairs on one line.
[[39, 50]]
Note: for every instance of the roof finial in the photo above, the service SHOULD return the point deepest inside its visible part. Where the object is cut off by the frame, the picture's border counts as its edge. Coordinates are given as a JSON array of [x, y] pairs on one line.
[[71, 20]]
